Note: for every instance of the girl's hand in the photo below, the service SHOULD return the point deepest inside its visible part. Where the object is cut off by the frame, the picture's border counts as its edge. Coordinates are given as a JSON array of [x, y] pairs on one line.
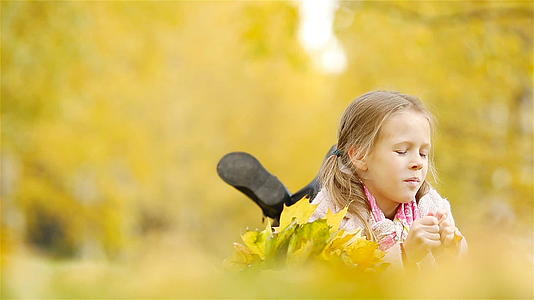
[[446, 232], [450, 237], [424, 235]]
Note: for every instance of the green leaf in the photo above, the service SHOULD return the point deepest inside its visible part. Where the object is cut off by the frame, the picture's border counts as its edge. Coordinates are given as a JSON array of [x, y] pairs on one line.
[[298, 256], [311, 236], [276, 245]]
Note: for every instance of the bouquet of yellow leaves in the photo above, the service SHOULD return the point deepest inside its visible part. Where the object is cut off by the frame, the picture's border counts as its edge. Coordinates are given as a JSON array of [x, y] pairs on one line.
[[297, 241]]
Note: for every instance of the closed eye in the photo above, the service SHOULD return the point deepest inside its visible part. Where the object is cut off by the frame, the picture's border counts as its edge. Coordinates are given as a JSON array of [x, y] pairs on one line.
[[400, 152], [424, 155]]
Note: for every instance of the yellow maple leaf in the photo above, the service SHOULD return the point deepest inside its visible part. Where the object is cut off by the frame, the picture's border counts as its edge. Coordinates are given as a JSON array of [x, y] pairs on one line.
[[364, 253], [299, 212], [241, 259], [334, 219], [255, 240], [252, 240], [336, 246]]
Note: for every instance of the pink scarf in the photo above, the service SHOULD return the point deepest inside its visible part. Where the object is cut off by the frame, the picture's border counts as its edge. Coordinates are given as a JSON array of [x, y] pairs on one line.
[[387, 231]]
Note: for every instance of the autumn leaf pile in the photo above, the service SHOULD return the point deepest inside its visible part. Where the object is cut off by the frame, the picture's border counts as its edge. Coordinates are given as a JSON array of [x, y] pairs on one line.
[[296, 241]]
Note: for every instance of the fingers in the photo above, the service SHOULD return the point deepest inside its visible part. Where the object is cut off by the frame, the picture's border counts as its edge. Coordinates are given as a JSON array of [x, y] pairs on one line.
[[448, 236], [432, 236], [441, 215], [427, 239], [446, 231], [430, 228], [447, 239], [429, 220], [432, 243], [428, 236], [427, 228], [445, 223]]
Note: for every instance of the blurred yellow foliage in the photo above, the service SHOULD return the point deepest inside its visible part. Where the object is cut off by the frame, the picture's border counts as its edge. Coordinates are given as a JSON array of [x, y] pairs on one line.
[[115, 114]]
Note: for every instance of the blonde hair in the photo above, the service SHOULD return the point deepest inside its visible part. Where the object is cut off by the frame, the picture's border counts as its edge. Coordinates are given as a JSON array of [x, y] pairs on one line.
[[359, 129]]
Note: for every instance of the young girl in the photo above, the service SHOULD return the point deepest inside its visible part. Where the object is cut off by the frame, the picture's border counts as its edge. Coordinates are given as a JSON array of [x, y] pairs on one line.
[[379, 171]]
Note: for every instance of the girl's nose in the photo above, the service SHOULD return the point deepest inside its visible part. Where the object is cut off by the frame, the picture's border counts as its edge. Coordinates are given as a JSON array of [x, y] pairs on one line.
[[416, 164]]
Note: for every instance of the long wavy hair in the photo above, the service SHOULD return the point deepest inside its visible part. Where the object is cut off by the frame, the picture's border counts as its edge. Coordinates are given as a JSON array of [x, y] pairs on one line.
[[359, 129]]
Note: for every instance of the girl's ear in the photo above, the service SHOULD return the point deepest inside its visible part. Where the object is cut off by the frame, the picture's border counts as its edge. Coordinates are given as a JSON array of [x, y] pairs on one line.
[[357, 160]]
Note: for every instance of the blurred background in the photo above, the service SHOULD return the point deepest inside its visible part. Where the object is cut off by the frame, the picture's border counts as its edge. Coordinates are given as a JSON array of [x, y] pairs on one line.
[[115, 114]]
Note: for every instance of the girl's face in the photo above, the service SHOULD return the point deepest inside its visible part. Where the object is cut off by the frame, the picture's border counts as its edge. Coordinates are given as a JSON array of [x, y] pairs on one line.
[[397, 166]]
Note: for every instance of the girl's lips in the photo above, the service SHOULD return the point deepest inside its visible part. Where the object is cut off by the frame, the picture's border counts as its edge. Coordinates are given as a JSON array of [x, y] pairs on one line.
[[412, 181]]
